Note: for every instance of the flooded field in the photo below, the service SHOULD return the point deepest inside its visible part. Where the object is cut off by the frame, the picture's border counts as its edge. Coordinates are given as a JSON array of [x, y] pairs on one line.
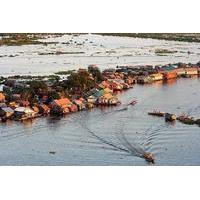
[[98, 137], [72, 52]]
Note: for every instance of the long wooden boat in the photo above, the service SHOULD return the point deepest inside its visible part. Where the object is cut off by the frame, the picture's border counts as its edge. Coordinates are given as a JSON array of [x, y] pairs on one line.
[[186, 119], [149, 157], [157, 113]]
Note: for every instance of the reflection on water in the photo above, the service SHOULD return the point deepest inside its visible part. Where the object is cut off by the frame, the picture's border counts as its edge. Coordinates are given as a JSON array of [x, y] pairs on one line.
[[76, 137], [170, 82]]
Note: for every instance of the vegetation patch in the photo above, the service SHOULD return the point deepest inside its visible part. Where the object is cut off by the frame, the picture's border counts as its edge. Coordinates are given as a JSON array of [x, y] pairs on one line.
[[164, 51], [18, 39], [65, 72]]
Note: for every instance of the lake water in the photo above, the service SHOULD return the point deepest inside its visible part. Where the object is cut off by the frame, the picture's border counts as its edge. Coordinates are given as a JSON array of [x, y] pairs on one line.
[[77, 139], [105, 51]]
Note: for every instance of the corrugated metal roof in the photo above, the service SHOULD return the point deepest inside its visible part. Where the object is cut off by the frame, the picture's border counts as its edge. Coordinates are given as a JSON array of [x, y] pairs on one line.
[[8, 109]]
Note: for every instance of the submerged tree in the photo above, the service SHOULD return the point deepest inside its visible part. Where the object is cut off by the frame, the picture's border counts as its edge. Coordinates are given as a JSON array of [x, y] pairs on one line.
[[96, 73], [80, 81]]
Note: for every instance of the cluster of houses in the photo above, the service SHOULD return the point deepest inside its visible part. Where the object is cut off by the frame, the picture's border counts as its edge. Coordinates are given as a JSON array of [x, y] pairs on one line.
[[23, 111], [161, 73], [103, 94]]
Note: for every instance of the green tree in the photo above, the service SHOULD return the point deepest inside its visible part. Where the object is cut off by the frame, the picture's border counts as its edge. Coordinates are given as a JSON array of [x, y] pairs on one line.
[[80, 81], [96, 73]]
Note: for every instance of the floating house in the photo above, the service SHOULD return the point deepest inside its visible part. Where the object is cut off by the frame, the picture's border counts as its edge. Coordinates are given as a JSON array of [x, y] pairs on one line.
[[79, 103], [23, 113], [107, 99], [115, 86], [2, 97], [144, 80], [72, 107], [6, 112], [91, 99], [60, 106], [104, 84], [43, 109], [191, 71], [180, 71], [169, 75], [13, 104], [24, 103], [156, 77]]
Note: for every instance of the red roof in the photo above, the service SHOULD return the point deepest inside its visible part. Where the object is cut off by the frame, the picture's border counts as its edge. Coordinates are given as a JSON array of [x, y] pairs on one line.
[[2, 97], [25, 103], [62, 102]]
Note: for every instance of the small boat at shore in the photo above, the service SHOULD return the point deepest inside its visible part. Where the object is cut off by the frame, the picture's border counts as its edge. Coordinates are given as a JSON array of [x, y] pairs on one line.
[[170, 117], [186, 119], [157, 113]]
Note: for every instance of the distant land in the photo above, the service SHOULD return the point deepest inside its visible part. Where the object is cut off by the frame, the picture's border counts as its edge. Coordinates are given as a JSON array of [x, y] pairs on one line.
[[16, 39], [184, 37]]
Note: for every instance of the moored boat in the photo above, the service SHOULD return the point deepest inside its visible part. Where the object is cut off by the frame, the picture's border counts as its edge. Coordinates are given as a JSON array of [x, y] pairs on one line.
[[157, 113], [186, 119], [170, 117]]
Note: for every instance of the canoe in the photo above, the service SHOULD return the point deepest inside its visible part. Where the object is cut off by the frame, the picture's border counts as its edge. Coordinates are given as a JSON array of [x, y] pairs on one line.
[[186, 119], [157, 113]]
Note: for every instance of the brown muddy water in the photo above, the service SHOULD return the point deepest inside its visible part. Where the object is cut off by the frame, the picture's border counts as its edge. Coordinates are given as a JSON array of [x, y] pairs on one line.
[[87, 137]]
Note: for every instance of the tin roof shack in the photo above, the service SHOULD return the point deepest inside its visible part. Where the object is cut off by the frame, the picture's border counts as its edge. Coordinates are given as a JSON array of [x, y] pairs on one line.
[[73, 108], [22, 113], [80, 104], [180, 71], [115, 86], [144, 80], [60, 106], [107, 90], [107, 100], [104, 84], [13, 105], [24, 103], [43, 109], [2, 97], [129, 80], [36, 110], [6, 112], [169, 75], [156, 77], [191, 71], [91, 99]]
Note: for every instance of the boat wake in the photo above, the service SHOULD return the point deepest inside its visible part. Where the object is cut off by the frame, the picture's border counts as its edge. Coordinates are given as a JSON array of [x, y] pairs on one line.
[[123, 144]]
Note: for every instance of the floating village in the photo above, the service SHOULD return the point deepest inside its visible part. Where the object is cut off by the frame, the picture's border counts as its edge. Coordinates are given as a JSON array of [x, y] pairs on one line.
[[27, 97]]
